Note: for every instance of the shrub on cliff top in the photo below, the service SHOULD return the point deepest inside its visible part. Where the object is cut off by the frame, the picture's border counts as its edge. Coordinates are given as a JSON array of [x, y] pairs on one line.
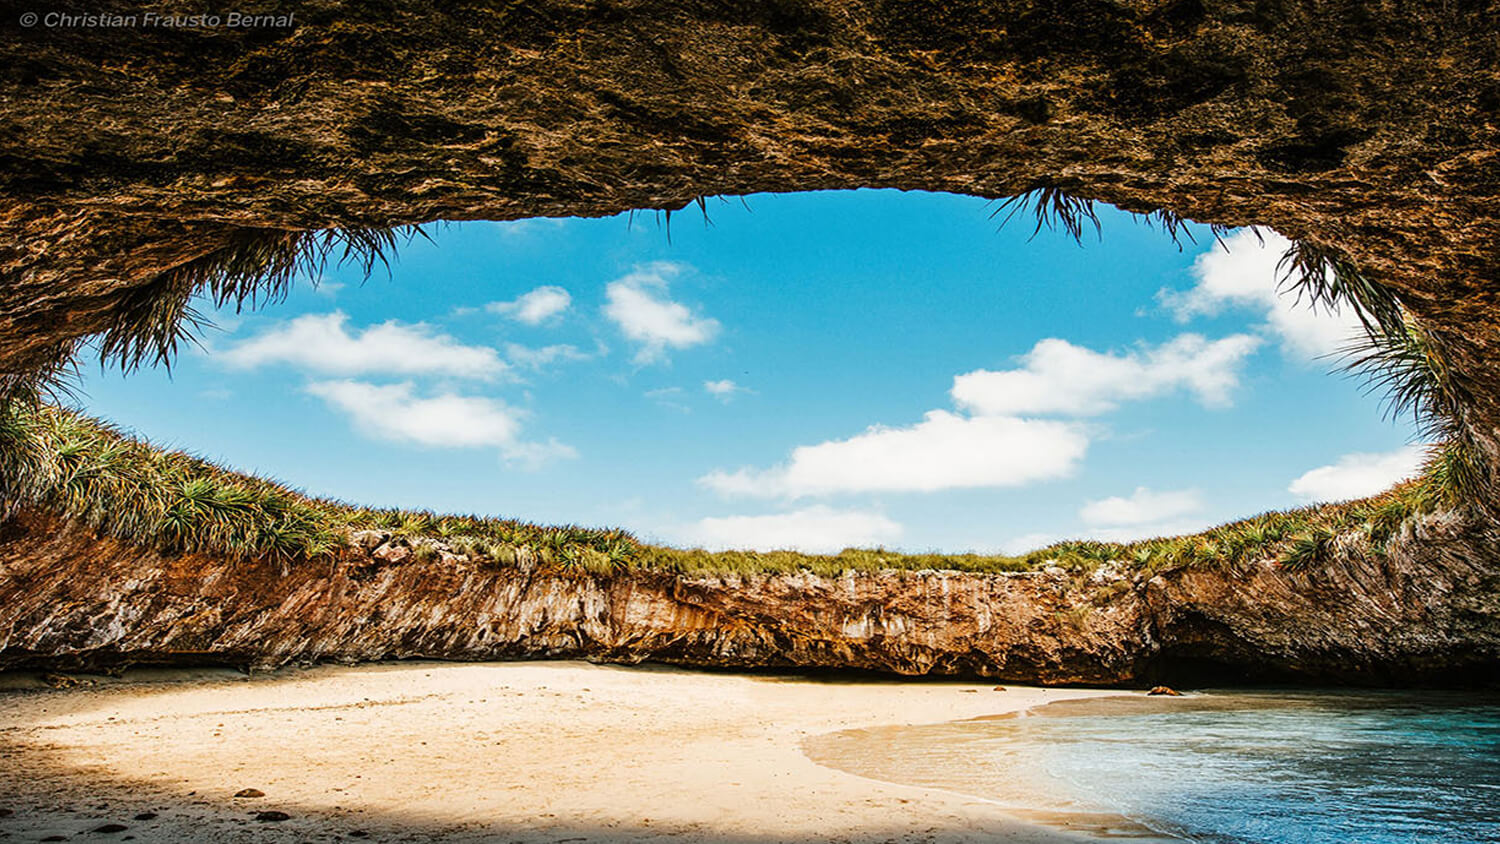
[[128, 489]]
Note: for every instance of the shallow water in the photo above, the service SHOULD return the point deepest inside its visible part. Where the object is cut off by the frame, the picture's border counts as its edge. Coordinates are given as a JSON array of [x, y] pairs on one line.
[[1233, 768]]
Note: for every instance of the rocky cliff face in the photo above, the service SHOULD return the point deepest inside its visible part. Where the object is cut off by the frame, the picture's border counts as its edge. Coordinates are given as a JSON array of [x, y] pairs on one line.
[[1425, 612]]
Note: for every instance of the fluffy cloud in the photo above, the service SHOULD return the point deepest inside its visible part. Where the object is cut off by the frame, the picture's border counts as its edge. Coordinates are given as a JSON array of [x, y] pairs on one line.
[[944, 451], [321, 343], [1247, 276], [723, 389], [535, 307], [1057, 377], [994, 445], [1141, 508], [1359, 475], [394, 412], [639, 305], [813, 530]]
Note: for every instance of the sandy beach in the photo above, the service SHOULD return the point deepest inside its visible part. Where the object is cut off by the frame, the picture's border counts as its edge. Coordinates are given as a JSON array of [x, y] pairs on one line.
[[525, 752]]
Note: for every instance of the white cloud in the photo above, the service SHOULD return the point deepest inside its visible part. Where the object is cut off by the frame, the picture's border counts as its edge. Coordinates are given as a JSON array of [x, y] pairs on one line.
[[1359, 475], [813, 530], [538, 357], [1027, 542], [535, 307], [535, 455], [322, 344], [723, 389], [1124, 533], [1247, 276], [638, 303], [995, 446], [668, 397], [1150, 530], [1141, 508], [531, 225], [394, 412], [1059, 377], [944, 451]]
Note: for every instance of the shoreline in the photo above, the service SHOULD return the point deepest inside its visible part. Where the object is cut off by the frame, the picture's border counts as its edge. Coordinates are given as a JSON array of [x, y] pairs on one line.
[[1023, 787], [522, 751]]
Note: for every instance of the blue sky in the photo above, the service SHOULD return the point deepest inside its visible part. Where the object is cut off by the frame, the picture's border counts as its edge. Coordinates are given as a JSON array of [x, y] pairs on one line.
[[813, 371]]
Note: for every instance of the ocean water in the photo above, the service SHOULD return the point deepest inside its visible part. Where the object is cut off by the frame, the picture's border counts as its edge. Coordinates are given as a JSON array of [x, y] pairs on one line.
[[1230, 768]]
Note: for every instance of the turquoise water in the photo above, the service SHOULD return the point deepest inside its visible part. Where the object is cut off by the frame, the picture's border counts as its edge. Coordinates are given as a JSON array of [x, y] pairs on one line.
[[1268, 768]]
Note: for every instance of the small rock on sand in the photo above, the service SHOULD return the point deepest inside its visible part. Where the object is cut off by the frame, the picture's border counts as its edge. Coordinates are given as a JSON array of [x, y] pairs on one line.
[[146, 816], [999, 688], [272, 817], [111, 827], [249, 792]]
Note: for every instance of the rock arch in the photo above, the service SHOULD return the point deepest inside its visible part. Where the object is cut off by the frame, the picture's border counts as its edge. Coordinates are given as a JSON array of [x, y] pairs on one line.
[[1368, 128]]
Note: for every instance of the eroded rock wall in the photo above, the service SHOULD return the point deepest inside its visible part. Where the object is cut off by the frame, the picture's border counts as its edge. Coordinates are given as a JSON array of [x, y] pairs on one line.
[[1426, 612]]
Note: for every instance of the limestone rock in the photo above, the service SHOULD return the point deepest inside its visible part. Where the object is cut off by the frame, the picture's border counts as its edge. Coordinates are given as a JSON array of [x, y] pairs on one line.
[[393, 552], [369, 540]]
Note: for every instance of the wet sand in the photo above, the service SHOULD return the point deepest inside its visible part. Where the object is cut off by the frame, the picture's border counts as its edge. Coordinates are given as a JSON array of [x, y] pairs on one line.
[[522, 752]]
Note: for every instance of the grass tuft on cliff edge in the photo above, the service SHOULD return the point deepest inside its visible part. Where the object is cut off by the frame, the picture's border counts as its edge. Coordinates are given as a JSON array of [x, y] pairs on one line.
[[64, 462]]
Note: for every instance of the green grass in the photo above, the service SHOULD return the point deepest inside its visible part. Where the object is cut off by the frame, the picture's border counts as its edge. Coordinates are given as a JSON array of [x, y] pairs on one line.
[[64, 462]]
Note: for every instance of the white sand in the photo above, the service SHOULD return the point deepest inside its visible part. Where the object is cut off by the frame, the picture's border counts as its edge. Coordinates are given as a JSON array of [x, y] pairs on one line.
[[527, 752]]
